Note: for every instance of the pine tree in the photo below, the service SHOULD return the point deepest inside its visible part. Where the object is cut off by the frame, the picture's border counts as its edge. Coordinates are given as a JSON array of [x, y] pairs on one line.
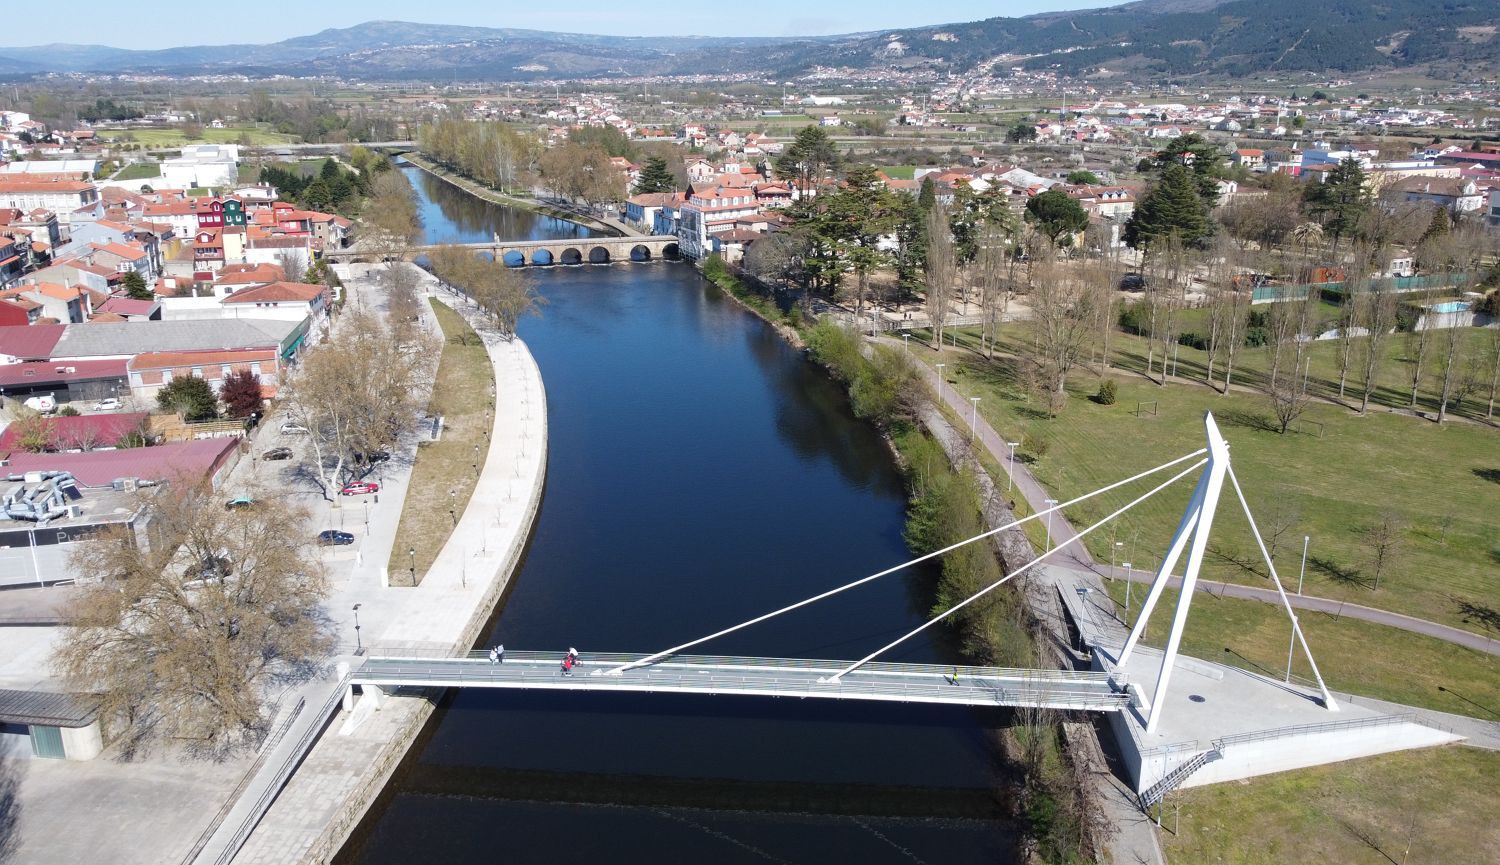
[[1340, 200], [656, 177], [927, 197], [1172, 207], [1439, 224], [136, 288]]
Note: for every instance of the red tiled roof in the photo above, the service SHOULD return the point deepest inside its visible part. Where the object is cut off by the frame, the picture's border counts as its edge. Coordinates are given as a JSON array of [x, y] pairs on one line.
[[276, 291], [36, 373], [127, 306], [175, 359]]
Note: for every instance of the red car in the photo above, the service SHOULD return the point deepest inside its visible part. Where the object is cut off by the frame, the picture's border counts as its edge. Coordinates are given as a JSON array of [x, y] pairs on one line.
[[360, 488]]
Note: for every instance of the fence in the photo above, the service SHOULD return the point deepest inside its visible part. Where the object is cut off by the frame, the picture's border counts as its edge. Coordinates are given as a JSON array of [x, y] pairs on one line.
[[1398, 284]]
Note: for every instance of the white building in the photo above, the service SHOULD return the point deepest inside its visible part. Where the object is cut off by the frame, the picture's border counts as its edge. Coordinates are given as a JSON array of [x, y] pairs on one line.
[[202, 166]]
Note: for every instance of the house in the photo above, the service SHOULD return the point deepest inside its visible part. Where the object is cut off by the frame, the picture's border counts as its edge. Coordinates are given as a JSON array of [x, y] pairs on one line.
[[67, 304], [1456, 195], [1250, 159], [58, 196], [286, 301], [124, 258], [19, 311], [130, 309], [641, 209], [149, 372], [710, 212]]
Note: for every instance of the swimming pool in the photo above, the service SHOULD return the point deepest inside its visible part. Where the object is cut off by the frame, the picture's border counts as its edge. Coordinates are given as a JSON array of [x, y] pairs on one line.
[[1452, 306]]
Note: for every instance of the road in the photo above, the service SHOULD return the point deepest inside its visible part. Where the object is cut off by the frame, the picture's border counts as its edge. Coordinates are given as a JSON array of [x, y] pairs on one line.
[[1073, 554]]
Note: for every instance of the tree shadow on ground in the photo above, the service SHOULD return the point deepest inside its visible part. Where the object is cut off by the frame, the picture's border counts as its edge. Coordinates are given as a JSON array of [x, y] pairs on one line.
[[1486, 617], [1342, 574], [1247, 419], [1365, 837], [1491, 475]]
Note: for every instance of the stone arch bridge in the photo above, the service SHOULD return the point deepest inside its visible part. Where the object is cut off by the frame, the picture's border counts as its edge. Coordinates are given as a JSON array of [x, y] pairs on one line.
[[578, 250]]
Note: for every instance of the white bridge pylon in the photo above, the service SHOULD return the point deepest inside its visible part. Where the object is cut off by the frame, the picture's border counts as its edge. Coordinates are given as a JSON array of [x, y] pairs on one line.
[[1192, 534]]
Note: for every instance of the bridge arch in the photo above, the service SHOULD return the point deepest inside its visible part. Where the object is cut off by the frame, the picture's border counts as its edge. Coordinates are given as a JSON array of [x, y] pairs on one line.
[[640, 252], [571, 256], [671, 251], [599, 255], [542, 257], [514, 258]]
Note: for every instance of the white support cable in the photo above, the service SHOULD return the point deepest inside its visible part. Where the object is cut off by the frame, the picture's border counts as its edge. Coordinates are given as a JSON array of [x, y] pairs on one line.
[[1008, 577], [888, 571], [1328, 700]]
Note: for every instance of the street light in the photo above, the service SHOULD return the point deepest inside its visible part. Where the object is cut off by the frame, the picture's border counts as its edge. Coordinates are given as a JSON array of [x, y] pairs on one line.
[[940, 381], [413, 552], [974, 418], [1128, 575], [1010, 483], [453, 517], [1050, 503], [906, 341], [1303, 573], [1112, 550], [1291, 646], [359, 646]]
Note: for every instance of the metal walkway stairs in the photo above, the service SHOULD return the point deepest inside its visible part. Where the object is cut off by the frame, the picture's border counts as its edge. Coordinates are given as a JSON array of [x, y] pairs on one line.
[[1175, 777]]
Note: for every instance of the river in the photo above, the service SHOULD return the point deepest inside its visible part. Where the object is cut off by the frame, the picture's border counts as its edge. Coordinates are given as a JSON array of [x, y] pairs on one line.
[[701, 472]]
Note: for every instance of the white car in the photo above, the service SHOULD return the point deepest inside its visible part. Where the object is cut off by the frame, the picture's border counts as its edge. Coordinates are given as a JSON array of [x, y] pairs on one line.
[[107, 404], [291, 428]]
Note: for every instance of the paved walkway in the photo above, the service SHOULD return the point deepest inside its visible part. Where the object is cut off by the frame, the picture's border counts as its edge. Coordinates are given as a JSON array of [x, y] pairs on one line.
[[344, 773], [1073, 554]]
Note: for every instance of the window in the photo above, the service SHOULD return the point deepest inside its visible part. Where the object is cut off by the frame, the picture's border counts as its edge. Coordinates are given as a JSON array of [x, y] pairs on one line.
[[197, 372]]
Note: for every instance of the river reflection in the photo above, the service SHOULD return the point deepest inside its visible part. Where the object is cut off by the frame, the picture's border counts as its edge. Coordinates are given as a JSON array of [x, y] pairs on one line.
[[700, 472]]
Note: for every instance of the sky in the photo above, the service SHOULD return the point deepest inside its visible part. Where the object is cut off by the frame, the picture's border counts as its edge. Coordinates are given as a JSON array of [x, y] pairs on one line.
[[274, 20]]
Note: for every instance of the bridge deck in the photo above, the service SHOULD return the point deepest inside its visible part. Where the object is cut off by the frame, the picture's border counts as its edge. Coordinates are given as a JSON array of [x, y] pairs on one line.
[[775, 677]]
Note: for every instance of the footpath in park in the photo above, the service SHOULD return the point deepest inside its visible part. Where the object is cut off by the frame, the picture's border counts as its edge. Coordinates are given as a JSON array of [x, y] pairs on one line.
[[341, 764]]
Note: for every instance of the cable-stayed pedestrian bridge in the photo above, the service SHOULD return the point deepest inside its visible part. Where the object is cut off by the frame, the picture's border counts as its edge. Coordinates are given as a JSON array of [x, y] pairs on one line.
[[766, 677], [670, 670]]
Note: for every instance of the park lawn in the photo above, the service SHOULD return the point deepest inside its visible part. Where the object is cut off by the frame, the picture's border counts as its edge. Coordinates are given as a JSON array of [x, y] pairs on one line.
[[139, 171], [899, 172], [1434, 805], [173, 137], [1353, 656], [1331, 478], [444, 472]]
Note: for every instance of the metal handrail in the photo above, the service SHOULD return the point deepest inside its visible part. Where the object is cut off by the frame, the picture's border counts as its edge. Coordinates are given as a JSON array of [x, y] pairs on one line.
[[1314, 729], [265, 750], [283, 774]]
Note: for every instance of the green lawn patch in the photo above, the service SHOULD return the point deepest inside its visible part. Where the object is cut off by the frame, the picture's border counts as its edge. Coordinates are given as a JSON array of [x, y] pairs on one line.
[[1332, 478], [1434, 805], [139, 171], [899, 172], [445, 469]]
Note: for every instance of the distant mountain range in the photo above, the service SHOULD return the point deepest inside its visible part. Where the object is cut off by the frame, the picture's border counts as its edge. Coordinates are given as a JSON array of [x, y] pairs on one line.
[[1149, 37]]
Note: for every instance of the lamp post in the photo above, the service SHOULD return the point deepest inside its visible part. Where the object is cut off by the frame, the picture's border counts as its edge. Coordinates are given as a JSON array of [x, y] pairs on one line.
[[1128, 574], [1010, 482], [452, 516], [974, 418], [412, 551], [906, 341], [1291, 645], [1050, 504], [359, 646], [1303, 572], [1114, 548], [940, 381]]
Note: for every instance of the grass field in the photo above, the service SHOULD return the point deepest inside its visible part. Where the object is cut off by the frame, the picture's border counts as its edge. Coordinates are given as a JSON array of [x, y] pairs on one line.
[[1331, 479], [139, 171], [899, 172], [1407, 668], [1431, 806], [444, 469], [227, 135]]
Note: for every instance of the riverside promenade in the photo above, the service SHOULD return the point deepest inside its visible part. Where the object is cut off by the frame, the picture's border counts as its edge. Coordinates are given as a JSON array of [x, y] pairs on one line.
[[345, 770]]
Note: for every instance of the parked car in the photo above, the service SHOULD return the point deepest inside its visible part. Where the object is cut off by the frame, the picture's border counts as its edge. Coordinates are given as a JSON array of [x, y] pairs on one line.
[[238, 502], [334, 538], [290, 428], [210, 568], [360, 488], [107, 404], [1132, 282], [372, 457], [277, 454]]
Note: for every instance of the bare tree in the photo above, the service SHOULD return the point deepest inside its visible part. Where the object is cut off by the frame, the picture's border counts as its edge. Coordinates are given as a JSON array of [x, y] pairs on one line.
[[293, 264], [942, 267], [1454, 344], [1386, 538], [1063, 318], [1281, 517], [991, 274], [1417, 349], [1376, 315], [1348, 327], [1289, 399], [182, 638], [1492, 359], [389, 220]]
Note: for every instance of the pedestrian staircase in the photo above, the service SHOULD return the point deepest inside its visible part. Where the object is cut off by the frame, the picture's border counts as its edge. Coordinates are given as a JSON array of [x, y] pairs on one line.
[[1175, 777]]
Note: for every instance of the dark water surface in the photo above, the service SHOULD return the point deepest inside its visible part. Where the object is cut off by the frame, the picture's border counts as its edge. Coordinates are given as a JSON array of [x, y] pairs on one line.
[[701, 472]]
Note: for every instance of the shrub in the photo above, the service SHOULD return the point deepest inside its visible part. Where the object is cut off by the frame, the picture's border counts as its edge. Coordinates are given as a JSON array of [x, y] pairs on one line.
[[1193, 340], [1106, 394], [1255, 337], [68, 411]]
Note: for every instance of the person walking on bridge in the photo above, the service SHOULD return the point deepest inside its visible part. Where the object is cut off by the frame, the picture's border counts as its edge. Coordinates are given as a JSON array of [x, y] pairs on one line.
[[567, 666]]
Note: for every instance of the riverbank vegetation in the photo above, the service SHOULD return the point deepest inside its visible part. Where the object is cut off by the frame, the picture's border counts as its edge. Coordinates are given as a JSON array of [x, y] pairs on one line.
[[447, 470]]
